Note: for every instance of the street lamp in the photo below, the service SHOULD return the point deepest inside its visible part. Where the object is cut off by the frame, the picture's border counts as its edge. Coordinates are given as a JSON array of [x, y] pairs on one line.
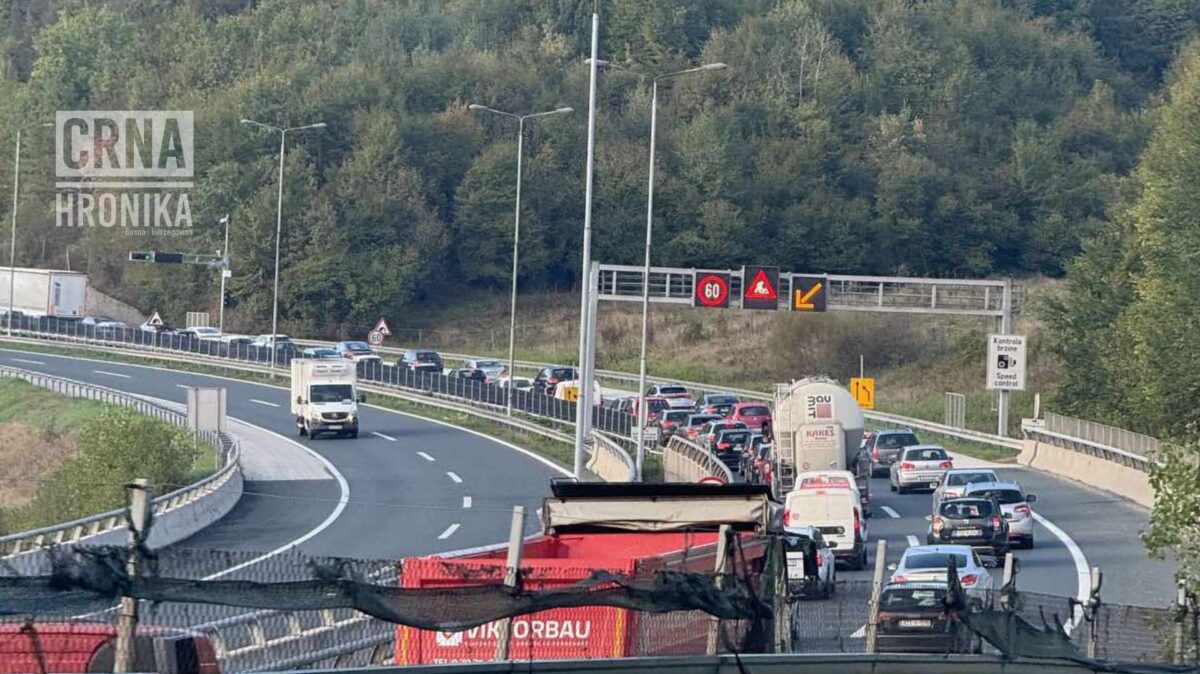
[[642, 412], [224, 275], [512, 319], [283, 132]]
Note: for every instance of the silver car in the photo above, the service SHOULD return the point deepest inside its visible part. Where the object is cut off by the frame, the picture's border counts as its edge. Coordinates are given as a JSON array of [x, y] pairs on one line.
[[920, 466], [1014, 503], [954, 482], [494, 369]]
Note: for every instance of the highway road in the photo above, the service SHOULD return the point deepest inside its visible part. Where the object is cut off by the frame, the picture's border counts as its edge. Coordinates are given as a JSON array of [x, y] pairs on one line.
[[411, 486]]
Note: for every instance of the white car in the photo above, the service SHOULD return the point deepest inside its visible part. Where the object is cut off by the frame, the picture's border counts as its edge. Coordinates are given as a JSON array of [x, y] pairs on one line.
[[1014, 503], [267, 340], [954, 482], [494, 369], [919, 466], [811, 567], [928, 564], [677, 395], [518, 383], [202, 332]]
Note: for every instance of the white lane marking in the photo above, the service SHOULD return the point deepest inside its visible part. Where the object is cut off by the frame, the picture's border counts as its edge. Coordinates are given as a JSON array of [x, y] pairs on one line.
[[26, 360], [448, 532], [912, 541], [454, 476], [263, 402], [1083, 573], [112, 374], [184, 386], [381, 435], [425, 456], [466, 501], [859, 633], [890, 512]]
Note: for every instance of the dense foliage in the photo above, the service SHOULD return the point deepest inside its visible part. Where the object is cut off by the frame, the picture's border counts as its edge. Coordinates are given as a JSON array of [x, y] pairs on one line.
[[943, 137]]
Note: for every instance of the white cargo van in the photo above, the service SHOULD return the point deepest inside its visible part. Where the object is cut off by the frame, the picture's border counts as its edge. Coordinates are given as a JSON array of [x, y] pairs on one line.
[[837, 514], [325, 397]]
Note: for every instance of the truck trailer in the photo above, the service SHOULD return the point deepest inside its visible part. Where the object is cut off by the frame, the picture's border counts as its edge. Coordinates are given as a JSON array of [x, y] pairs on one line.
[[818, 426], [45, 292]]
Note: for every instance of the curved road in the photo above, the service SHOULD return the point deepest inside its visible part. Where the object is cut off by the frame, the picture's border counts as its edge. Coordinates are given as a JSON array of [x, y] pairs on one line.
[[417, 487]]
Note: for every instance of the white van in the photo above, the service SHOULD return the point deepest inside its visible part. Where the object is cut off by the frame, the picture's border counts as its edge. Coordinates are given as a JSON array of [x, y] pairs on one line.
[[837, 514], [819, 479]]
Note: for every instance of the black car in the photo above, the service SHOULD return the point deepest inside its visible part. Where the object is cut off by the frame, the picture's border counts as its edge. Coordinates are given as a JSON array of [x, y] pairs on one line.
[[915, 618], [421, 360], [884, 446], [974, 521], [730, 444], [467, 373], [548, 378]]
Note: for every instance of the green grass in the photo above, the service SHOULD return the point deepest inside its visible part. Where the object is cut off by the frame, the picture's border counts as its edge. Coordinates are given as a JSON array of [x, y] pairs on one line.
[[41, 408]]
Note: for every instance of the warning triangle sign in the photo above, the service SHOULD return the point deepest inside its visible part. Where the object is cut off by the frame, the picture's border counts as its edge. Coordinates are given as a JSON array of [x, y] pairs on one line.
[[155, 319], [761, 288], [382, 327]]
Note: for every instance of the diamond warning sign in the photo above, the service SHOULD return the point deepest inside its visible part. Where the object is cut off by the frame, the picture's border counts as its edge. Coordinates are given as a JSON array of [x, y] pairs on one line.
[[760, 287]]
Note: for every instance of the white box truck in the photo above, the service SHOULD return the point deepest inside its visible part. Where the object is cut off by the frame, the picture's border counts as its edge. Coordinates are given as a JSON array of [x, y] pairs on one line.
[[325, 397], [45, 292]]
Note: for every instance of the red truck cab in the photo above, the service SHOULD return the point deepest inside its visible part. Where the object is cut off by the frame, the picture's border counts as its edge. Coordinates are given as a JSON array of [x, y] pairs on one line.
[[63, 647]]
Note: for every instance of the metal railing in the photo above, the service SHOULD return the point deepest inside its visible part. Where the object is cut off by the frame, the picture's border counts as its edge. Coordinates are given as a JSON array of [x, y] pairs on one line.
[[1102, 434], [1038, 429], [223, 444], [610, 462], [685, 461]]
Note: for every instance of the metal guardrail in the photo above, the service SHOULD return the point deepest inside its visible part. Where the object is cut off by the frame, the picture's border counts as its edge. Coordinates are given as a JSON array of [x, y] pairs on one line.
[[610, 461], [1128, 442], [685, 461], [76, 530]]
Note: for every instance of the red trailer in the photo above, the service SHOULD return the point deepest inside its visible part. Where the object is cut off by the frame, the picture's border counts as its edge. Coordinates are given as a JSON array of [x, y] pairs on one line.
[[630, 530]]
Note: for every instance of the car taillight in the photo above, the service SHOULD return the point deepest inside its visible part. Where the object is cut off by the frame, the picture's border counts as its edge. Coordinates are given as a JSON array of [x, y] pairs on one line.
[[995, 521], [820, 561], [907, 466], [551, 380], [875, 453], [787, 516], [969, 579], [946, 465], [1022, 510], [857, 524], [938, 524], [897, 579]]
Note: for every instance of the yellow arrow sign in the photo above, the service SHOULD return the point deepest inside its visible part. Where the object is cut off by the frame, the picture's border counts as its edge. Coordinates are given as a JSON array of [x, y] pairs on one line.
[[804, 299], [863, 390]]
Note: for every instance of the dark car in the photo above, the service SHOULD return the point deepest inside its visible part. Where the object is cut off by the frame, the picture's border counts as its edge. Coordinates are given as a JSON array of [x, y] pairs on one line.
[[548, 377], [885, 445], [717, 403], [467, 373], [974, 521], [671, 421], [421, 360], [730, 445], [708, 433], [915, 618], [693, 428]]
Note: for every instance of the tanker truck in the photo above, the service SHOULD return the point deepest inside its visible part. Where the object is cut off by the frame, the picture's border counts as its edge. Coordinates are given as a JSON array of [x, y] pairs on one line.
[[817, 426]]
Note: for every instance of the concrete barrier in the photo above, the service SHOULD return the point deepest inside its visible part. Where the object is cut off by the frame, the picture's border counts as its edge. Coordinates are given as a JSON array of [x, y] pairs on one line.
[[1110, 476]]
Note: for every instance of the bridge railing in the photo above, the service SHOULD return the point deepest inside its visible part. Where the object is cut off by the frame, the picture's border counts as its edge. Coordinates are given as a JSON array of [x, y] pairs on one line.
[[685, 461], [225, 446]]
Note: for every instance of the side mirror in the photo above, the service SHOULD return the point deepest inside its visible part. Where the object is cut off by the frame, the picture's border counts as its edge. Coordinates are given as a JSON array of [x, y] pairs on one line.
[[299, 400], [892, 567], [929, 518], [1032, 498], [362, 397]]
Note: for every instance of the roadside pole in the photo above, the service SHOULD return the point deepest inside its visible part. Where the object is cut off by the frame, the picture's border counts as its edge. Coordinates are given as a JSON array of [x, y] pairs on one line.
[[516, 535], [781, 607], [722, 568], [1006, 328], [583, 410], [876, 588], [139, 515]]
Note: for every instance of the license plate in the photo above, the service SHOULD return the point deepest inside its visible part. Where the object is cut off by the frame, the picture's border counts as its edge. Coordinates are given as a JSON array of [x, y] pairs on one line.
[[334, 427], [963, 533], [916, 623]]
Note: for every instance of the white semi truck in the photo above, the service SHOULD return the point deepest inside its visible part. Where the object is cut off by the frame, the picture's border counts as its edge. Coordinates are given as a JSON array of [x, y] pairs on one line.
[[325, 397], [817, 426], [45, 292]]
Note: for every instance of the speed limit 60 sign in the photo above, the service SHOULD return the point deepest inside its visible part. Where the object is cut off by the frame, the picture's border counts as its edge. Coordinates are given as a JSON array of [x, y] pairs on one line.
[[711, 290]]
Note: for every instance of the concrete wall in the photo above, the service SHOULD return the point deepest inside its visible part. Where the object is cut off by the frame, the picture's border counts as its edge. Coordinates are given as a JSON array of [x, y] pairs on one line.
[[102, 305], [1121, 480]]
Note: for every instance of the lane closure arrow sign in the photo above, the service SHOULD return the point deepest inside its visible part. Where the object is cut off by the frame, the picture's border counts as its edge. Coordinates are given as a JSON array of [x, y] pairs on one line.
[[808, 293]]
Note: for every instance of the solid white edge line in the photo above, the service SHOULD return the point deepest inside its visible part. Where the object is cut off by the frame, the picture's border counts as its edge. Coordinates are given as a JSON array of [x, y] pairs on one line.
[[890, 512], [184, 386], [425, 456], [1083, 572], [381, 435], [913, 542], [26, 360], [112, 374], [521, 450], [264, 402], [454, 476], [449, 531], [466, 502]]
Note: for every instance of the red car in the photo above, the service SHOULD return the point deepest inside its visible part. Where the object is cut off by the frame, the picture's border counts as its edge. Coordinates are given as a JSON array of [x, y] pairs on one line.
[[654, 408], [751, 414], [91, 647], [695, 424]]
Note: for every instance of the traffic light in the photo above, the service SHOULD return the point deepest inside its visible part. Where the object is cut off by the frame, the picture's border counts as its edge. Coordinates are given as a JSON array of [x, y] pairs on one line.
[[155, 256], [141, 256]]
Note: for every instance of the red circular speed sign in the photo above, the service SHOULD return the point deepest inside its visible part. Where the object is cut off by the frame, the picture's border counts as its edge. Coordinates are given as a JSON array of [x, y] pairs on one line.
[[712, 290]]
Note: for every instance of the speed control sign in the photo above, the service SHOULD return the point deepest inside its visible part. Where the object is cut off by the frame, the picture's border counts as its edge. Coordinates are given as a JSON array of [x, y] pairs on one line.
[[711, 290]]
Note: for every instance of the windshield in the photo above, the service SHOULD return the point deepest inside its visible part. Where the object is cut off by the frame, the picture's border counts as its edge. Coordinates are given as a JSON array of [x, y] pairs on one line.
[[488, 363], [701, 419], [926, 455], [656, 405], [331, 393], [934, 560], [563, 373], [426, 357], [909, 599], [722, 400], [672, 390], [1002, 496], [735, 437], [356, 346], [677, 416], [755, 411], [823, 481], [959, 479], [966, 509], [896, 440]]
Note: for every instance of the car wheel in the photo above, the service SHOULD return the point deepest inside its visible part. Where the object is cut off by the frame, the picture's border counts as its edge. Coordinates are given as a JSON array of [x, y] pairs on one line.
[[891, 485], [1028, 545], [901, 489], [303, 429], [353, 434]]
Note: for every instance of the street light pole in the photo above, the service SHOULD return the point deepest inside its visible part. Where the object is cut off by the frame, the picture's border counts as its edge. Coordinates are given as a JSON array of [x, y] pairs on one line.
[[512, 316], [224, 275], [583, 414], [278, 220], [12, 245], [642, 411]]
